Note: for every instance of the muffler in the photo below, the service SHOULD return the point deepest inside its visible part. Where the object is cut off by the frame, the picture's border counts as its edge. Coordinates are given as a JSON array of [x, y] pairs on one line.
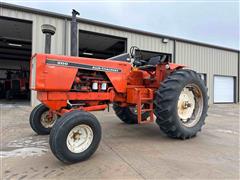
[[74, 31]]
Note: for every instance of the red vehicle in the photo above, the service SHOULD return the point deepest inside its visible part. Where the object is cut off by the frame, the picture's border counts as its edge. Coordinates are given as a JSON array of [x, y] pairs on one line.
[[70, 87]]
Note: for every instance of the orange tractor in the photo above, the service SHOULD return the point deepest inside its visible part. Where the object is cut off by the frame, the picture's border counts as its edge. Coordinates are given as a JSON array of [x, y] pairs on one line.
[[69, 87]]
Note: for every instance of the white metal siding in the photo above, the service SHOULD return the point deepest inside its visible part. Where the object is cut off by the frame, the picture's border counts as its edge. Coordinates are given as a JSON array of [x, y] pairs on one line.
[[208, 60]]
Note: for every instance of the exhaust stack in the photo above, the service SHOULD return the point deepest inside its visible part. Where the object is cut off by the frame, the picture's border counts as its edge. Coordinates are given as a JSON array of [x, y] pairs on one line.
[[74, 41], [48, 30]]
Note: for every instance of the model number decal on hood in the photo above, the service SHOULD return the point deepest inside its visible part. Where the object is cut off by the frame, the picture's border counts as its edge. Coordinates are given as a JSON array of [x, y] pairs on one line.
[[81, 66]]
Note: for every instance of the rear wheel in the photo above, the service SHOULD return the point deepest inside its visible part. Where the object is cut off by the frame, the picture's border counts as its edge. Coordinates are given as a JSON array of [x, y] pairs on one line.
[[181, 104], [75, 136], [128, 114], [41, 120]]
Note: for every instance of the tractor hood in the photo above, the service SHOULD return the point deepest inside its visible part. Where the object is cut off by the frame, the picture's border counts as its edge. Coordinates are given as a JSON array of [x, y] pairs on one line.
[[56, 73]]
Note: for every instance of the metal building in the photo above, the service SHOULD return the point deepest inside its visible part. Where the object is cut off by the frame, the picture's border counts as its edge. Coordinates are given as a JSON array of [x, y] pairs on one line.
[[20, 36]]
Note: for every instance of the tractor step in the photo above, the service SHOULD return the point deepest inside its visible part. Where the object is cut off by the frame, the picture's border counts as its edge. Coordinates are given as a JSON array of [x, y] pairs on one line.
[[145, 101], [146, 110]]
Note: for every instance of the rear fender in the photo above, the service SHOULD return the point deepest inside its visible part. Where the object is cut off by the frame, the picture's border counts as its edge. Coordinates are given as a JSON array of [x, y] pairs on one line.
[[174, 66]]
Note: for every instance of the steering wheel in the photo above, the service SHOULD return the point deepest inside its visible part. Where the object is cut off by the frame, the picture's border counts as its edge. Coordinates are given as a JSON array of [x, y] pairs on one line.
[[137, 59], [132, 51]]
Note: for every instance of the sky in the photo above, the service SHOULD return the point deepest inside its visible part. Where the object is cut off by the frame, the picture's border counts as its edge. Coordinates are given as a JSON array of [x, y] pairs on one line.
[[208, 21]]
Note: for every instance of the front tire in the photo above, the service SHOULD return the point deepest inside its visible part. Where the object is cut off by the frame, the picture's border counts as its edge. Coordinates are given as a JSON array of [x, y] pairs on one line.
[[40, 121], [75, 136], [181, 104]]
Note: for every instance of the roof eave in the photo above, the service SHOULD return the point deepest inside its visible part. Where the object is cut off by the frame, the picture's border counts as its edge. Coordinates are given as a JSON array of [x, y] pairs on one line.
[[97, 23]]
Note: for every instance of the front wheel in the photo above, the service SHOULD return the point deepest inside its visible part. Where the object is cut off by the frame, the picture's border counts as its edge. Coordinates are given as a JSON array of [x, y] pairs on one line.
[[181, 104], [75, 136], [41, 120]]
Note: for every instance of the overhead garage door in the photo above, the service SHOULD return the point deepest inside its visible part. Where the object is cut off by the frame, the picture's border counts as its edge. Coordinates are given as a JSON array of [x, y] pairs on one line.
[[15, 55], [223, 89]]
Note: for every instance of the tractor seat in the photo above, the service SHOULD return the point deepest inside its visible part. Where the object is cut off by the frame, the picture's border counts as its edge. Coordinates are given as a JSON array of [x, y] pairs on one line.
[[147, 67], [157, 60]]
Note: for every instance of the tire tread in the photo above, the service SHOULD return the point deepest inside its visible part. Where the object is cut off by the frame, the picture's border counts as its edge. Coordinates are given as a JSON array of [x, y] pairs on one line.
[[165, 104]]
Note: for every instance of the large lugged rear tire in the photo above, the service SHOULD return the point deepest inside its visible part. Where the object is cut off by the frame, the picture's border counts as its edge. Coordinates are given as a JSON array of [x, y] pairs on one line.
[[181, 104], [39, 120], [75, 136], [128, 115]]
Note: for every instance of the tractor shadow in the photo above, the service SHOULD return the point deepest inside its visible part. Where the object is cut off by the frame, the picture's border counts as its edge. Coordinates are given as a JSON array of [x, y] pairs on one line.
[[145, 132]]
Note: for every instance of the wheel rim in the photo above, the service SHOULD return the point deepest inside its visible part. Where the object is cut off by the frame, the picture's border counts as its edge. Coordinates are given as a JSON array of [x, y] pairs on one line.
[[48, 119], [79, 138], [190, 105]]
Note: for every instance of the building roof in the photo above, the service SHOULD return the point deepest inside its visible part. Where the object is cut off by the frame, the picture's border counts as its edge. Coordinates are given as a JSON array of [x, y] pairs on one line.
[[97, 23]]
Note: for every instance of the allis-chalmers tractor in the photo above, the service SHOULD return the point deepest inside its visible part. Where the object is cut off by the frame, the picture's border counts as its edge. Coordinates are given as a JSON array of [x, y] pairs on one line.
[[70, 87]]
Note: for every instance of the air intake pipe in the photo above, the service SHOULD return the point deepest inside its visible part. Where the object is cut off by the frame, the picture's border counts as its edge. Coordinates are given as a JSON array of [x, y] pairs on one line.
[[74, 41], [48, 30]]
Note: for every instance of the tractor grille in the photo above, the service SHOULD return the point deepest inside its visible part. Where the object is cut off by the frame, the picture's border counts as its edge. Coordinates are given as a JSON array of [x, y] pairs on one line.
[[33, 73]]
